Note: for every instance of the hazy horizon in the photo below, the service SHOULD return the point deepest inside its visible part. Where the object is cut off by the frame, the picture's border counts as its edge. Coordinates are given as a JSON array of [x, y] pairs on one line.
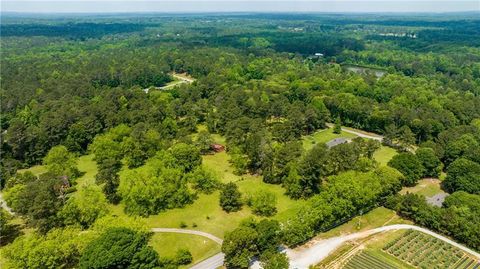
[[201, 6]]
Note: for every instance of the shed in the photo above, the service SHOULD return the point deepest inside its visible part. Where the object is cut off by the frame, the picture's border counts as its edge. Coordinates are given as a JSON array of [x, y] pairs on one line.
[[337, 141]]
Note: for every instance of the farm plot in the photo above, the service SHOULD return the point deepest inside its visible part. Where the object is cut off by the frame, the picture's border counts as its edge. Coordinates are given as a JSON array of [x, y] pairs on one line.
[[424, 251], [364, 260]]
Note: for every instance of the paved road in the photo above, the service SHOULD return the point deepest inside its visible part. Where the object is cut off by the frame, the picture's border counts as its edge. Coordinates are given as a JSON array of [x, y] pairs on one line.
[[361, 134], [210, 263], [184, 231], [315, 251]]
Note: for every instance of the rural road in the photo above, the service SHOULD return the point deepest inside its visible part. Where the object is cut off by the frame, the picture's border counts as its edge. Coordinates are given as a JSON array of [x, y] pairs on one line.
[[184, 231], [361, 134], [316, 250], [211, 263]]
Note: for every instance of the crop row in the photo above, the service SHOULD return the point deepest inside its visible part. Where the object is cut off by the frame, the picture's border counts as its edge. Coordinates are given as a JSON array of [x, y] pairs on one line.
[[364, 260], [424, 251]]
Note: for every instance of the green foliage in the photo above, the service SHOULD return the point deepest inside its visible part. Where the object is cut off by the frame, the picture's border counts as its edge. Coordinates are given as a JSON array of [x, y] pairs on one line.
[[87, 204], [337, 128], [430, 161], [119, 248], [183, 257], [60, 162], [230, 198], [463, 175], [203, 180], [39, 201], [156, 186], [187, 156], [263, 203], [59, 248], [204, 142], [274, 260], [248, 240], [410, 166]]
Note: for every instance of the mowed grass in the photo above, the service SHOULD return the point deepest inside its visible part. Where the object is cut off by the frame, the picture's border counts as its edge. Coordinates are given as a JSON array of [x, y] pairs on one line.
[[200, 247], [323, 136], [377, 217], [384, 154], [427, 187]]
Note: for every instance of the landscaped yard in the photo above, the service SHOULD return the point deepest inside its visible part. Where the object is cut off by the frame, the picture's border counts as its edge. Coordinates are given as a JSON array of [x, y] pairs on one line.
[[427, 187], [323, 136], [377, 217], [200, 247], [384, 154]]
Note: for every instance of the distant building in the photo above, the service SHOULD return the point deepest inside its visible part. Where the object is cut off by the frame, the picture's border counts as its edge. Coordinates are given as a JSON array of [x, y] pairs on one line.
[[217, 147], [319, 54], [337, 141]]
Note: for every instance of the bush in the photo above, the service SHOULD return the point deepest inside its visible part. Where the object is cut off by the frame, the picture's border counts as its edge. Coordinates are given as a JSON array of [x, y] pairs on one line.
[[183, 257], [230, 198], [263, 203], [409, 165]]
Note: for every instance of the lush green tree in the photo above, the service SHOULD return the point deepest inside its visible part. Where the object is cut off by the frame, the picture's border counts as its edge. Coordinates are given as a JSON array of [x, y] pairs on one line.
[[337, 128], [187, 156], [60, 162], [39, 201], [158, 185], [204, 142], [59, 248], [230, 198], [463, 175], [430, 161], [274, 260], [203, 180], [119, 248], [86, 205], [263, 203], [183, 257], [312, 168], [239, 246], [9, 230], [409, 165]]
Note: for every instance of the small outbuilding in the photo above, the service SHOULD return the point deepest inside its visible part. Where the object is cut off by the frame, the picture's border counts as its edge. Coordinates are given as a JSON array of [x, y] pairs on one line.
[[337, 141]]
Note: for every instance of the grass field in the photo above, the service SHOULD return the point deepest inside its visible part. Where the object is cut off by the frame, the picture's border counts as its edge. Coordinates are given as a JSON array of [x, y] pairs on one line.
[[384, 154], [200, 247], [323, 136], [377, 217], [426, 187]]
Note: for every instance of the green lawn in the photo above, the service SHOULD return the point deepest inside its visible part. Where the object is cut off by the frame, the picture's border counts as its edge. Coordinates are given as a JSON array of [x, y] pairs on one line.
[[384, 154], [323, 136], [200, 247], [377, 217], [427, 187]]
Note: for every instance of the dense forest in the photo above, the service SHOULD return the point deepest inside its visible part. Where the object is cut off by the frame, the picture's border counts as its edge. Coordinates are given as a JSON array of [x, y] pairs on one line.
[[76, 86]]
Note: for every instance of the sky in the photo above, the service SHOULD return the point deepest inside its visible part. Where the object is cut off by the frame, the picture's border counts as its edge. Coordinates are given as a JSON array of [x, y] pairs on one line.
[[199, 6]]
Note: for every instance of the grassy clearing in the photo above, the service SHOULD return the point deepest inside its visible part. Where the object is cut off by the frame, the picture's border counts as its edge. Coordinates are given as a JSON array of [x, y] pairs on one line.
[[375, 218], [323, 136], [427, 187], [384, 154], [200, 247]]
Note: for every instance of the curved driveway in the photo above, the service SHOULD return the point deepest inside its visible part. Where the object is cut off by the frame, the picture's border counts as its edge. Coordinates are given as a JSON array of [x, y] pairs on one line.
[[184, 231], [315, 251]]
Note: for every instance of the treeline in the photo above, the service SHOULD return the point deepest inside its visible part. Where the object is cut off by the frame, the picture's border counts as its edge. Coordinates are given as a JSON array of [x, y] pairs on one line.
[[70, 30]]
